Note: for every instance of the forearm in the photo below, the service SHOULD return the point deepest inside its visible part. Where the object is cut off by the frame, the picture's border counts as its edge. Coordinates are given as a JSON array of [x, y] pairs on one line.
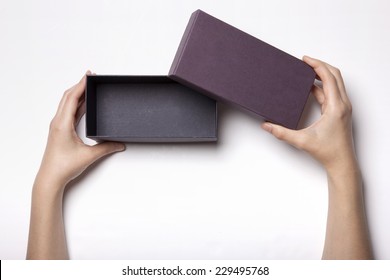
[[65, 158], [47, 235], [347, 232]]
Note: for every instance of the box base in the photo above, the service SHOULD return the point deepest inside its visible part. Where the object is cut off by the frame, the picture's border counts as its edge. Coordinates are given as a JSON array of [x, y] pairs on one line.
[[147, 109]]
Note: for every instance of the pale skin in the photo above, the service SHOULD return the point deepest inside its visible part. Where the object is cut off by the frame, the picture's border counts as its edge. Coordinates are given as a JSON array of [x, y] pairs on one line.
[[65, 158], [329, 140]]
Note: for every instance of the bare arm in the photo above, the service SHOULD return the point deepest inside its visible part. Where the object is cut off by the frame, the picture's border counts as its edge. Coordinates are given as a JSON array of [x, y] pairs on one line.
[[47, 235], [330, 141], [346, 231], [65, 158]]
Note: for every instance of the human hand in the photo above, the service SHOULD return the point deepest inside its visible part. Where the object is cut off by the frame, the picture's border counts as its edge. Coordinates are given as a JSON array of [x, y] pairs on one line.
[[329, 140], [66, 156]]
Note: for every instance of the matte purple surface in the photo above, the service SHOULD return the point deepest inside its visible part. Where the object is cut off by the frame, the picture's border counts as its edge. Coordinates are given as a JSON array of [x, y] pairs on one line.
[[227, 64]]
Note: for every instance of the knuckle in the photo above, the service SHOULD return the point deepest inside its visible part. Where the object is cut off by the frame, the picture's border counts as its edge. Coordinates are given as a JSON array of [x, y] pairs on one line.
[[348, 108], [69, 97], [337, 72], [51, 125], [67, 92], [344, 111], [332, 78], [328, 75], [55, 125], [66, 95]]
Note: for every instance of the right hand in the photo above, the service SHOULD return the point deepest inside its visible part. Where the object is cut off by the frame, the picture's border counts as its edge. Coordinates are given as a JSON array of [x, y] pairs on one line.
[[329, 140]]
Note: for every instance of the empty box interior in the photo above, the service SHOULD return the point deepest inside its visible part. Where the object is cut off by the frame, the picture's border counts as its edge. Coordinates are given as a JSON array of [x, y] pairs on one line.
[[147, 109]]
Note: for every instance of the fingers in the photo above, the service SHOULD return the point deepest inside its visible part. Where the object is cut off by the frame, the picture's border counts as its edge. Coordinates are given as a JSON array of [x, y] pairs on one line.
[[318, 94], [292, 137], [329, 81], [71, 100], [73, 97], [80, 112], [325, 71], [340, 83], [105, 148], [62, 102]]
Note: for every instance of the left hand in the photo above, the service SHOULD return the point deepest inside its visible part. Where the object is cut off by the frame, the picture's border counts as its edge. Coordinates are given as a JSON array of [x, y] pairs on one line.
[[66, 155]]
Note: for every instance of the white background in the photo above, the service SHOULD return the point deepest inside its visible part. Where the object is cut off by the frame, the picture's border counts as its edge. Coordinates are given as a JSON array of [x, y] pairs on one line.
[[247, 197]]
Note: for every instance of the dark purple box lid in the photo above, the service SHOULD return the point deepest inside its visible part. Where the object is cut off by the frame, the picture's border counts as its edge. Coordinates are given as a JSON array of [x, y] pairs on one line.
[[228, 64]]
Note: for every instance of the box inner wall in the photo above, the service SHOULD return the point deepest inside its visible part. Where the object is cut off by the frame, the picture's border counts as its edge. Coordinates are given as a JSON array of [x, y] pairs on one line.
[[152, 110]]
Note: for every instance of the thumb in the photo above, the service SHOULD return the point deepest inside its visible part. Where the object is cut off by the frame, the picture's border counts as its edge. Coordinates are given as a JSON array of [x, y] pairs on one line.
[[292, 137], [106, 148]]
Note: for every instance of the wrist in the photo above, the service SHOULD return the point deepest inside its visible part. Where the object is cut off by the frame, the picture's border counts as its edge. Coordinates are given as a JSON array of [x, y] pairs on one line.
[[340, 157], [346, 169], [49, 185], [342, 163]]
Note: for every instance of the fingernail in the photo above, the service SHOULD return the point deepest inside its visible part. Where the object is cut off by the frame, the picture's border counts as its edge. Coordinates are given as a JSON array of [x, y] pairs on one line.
[[88, 72], [267, 127], [121, 147]]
